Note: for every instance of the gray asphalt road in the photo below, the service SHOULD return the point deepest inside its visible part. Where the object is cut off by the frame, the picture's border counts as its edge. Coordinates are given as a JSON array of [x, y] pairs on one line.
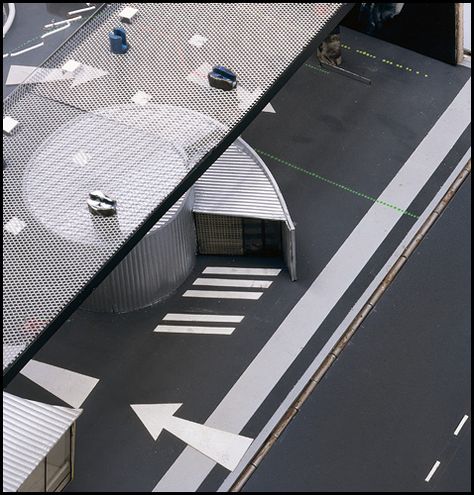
[[388, 409], [114, 451]]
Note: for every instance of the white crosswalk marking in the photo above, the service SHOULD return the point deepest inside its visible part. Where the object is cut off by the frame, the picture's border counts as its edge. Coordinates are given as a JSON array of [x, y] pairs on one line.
[[230, 282], [194, 329], [205, 318], [223, 294], [230, 270]]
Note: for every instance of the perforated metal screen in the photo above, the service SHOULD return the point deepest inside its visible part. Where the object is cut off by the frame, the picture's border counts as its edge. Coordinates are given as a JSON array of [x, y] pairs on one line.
[[88, 129]]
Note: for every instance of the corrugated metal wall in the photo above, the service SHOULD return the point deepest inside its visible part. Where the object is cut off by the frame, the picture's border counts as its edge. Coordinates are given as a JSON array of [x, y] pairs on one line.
[[157, 266], [30, 431]]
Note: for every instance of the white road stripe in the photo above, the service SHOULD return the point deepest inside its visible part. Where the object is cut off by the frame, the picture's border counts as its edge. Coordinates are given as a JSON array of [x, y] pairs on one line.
[[232, 282], [253, 387], [433, 471], [223, 447], [229, 270], [222, 294], [79, 11], [460, 425], [62, 28], [195, 330], [15, 54], [206, 318], [54, 24]]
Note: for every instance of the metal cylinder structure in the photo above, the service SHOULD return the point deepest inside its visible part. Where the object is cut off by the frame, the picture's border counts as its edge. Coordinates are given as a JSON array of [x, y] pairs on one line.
[[155, 268], [78, 210]]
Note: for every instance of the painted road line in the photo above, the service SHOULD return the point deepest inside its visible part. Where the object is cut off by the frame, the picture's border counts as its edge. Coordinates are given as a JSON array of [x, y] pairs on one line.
[[62, 28], [54, 24], [80, 11], [232, 282], [229, 270], [195, 330], [223, 294], [341, 329], [253, 387], [205, 318], [21, 52], [433, 471], [460, 425], [71, 387], [223, 447]]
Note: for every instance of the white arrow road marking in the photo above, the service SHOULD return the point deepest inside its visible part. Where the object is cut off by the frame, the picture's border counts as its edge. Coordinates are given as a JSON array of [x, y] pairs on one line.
[[19, 74], [269, 109], [71, 387], [87, 73], [221, 446], [247, 98]]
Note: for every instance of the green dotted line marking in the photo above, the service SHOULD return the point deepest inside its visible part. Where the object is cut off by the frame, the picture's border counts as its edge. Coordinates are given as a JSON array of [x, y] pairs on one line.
[[365, 54], [403, 67], [336, 184], [387, 61], [319, 69]]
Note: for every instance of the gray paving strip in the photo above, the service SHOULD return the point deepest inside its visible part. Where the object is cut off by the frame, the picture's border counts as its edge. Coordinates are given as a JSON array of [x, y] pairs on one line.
[[258, 442], [253, 387]]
